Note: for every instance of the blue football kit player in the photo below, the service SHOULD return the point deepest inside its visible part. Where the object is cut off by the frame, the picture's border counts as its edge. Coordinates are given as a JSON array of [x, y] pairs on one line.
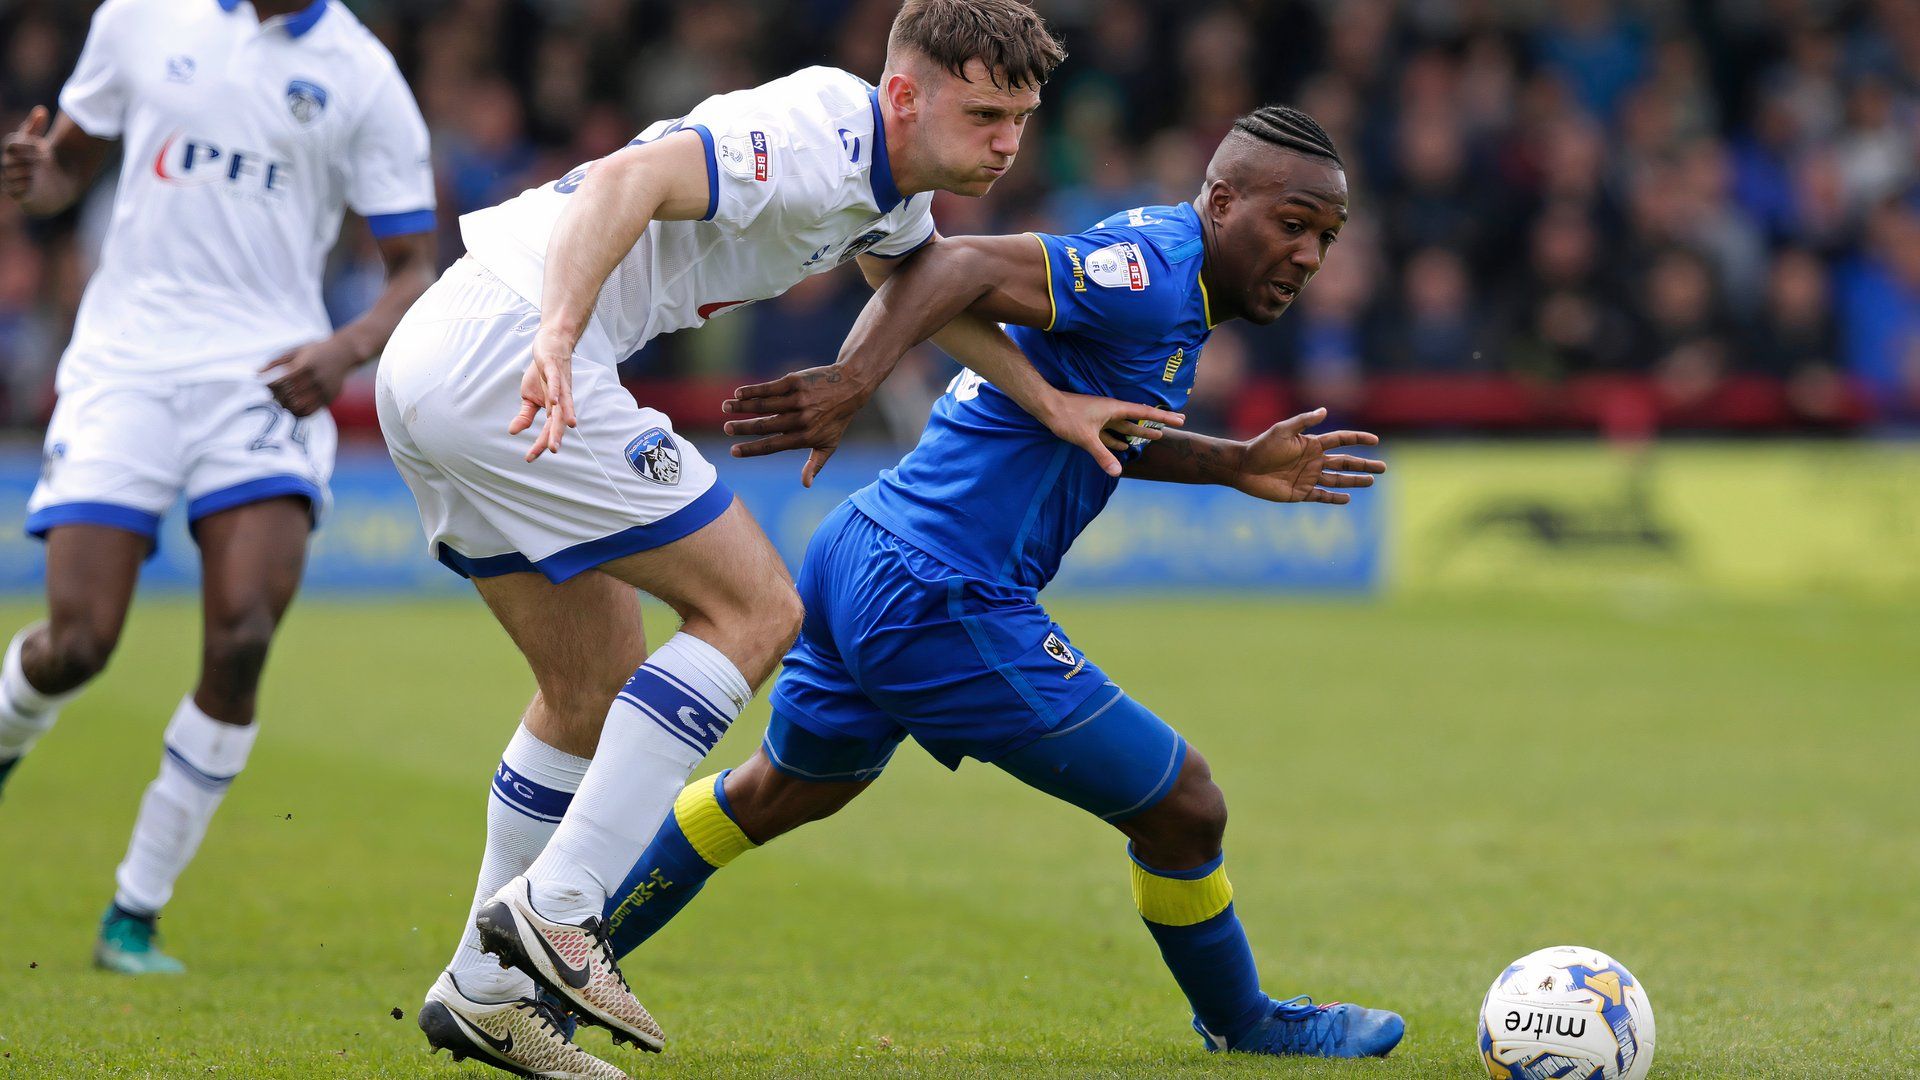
[[921, 590]]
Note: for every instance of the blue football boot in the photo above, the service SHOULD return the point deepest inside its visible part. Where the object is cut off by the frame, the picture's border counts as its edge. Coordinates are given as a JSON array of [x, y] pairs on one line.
[[126, 945], [1334, 1030]]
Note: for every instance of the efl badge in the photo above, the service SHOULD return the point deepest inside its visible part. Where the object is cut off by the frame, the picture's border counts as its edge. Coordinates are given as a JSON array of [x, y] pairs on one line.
[[744, 156], [1118, 266], [655, 457], [306, 101], [180, 69]]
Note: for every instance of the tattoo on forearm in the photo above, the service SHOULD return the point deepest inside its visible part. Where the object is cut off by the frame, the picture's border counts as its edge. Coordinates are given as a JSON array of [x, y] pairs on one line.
[[1187, 458]]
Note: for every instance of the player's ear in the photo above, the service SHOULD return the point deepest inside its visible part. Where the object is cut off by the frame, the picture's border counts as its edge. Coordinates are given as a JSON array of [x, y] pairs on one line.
[[903, 92], [1219, 199]]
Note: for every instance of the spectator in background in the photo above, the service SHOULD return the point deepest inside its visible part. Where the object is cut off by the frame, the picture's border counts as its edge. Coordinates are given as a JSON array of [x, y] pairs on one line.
[[1794, 338], [1565, 315], [1879, 295], [1766, 135], [1686, 336], [1436, 327], [1588, 45]]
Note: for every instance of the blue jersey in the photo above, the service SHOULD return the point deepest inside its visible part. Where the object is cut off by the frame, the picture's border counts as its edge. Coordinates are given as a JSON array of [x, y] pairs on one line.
[[988, 489]]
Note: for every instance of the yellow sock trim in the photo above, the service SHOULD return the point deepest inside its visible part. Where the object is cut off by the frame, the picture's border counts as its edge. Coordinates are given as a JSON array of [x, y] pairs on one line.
[[707, 827], [1176, 902]]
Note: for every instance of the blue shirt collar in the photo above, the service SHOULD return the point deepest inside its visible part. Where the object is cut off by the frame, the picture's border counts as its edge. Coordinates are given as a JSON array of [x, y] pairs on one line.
[[300, 21], [886, 194]]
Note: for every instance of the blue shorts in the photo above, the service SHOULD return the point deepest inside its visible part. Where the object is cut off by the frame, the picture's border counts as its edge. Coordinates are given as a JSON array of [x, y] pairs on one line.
[[897, 643]]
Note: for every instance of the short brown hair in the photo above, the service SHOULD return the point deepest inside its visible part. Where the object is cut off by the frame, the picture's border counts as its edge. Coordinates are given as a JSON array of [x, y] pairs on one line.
[[1005, 35]]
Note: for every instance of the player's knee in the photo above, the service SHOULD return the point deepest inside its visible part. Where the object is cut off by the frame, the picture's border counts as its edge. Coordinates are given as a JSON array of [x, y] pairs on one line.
[[236, 650], [80, 648], [787, 614], [769, 625], [1185, 828]]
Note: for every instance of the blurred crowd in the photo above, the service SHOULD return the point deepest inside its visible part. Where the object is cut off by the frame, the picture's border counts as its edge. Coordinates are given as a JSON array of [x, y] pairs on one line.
[[1690, 191]]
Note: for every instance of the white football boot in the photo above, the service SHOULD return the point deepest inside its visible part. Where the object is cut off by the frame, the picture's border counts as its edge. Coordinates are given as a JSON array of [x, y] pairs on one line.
[[573, 963], [525, 1037]]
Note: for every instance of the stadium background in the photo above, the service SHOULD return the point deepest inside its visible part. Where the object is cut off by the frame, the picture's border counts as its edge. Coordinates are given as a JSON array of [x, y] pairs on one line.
[[1620, 651], [1616, 222]]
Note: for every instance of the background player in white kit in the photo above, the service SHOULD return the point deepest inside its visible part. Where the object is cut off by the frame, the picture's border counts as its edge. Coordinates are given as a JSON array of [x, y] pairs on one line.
[[202, 361], [737, 201]]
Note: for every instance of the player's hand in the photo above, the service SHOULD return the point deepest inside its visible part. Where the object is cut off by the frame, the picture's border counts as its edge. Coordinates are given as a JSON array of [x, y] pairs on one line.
[[548, 387], [1285, 464], [1102, 426], [310, 376], [22, 154], [810, 408]]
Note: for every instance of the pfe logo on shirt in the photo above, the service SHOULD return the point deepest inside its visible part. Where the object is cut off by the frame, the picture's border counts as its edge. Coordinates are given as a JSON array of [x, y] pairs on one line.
[[306, 101], [180, 69], [654, 456]]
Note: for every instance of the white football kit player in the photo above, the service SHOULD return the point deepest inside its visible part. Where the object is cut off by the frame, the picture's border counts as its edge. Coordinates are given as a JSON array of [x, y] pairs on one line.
[[243, 142], [798, 182]]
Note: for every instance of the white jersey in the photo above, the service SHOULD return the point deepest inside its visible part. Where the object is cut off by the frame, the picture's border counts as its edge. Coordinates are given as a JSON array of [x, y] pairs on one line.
[[243, 140], [797, 183]]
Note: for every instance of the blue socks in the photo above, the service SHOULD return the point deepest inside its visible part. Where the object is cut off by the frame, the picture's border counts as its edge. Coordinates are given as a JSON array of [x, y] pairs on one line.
[[1190, 915], [697, 838]]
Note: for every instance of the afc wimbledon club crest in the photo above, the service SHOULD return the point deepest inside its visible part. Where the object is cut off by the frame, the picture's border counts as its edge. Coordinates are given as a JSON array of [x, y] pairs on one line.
[[654, 456], [1118, 266], [306, 101], [1059, 651]]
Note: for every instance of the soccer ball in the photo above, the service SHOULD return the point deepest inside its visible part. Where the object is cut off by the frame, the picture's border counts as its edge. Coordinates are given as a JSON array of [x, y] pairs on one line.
[[1566, 1013]]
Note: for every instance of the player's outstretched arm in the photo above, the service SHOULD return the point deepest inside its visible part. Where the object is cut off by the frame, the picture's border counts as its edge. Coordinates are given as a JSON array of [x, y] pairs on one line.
[[47, 172], [622, 193], [1282, 464], [307, 379], [954, 291]]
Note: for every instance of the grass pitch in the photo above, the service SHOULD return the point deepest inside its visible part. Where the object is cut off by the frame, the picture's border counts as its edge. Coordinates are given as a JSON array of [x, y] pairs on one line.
[[1722, 797]]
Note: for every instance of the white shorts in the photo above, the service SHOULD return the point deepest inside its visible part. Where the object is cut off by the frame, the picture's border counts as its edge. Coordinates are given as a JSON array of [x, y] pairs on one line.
[[121, 455], [450, 382]]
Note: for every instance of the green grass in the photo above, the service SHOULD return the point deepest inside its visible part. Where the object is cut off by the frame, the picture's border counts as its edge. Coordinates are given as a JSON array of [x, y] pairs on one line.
[[1722, 797]]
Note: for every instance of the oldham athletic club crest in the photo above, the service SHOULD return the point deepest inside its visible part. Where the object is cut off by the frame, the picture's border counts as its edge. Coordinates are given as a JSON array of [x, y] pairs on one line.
[[306, 101], [654, 456]]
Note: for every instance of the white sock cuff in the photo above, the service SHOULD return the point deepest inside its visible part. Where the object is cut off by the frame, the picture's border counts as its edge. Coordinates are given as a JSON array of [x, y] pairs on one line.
[[215, 750], [543, 763], [696, 662], [21, 694]]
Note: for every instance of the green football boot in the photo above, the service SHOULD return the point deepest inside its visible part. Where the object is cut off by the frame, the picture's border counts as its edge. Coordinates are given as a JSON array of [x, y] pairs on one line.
[[127, 946]]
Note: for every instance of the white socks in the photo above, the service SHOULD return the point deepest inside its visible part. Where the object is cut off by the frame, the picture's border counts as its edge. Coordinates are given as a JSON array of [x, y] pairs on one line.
[[676, 706], [202, 756], [530, 793], [25, 713]]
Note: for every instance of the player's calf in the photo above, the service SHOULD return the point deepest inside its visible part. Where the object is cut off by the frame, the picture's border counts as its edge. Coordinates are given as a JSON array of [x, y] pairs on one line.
[[1115, 759], [231, 662], [26, 711], [714, 821]]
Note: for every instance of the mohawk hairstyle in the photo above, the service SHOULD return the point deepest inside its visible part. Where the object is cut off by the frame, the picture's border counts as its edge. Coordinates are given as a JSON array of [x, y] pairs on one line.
[[1290, 129], [1005, 35]]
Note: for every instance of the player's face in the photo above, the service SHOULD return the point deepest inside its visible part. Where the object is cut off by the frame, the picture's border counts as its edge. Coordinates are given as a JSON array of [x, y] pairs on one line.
[[971, 128], [1274, 237]]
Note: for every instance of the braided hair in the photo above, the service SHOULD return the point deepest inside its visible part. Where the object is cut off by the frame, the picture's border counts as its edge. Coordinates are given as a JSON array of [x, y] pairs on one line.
[[1289, 129]]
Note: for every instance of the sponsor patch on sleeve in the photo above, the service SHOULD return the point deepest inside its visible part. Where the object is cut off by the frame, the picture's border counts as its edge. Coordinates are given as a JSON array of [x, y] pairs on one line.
[[1118, 266], [744, 156]]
